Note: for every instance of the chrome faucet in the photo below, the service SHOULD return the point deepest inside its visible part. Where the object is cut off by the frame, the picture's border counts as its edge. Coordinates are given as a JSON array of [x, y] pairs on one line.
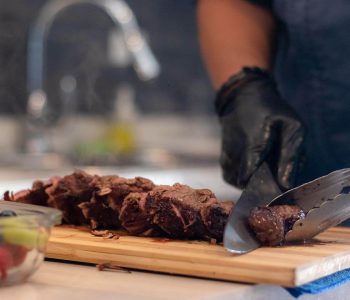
[[144, 61]]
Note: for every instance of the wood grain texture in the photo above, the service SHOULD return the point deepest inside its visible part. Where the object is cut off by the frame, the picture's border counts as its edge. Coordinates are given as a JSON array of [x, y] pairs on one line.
[[288, 266]]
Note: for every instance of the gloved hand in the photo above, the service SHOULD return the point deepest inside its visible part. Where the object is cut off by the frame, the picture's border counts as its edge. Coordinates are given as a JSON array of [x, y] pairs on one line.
[[256, 124]]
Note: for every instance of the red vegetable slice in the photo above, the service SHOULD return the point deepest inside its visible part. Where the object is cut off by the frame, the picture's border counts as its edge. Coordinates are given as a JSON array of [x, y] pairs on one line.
[[6, 261]]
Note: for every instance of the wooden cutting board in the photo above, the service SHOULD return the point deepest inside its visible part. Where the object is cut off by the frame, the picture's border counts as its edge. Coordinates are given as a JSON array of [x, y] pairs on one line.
[[288, 266]]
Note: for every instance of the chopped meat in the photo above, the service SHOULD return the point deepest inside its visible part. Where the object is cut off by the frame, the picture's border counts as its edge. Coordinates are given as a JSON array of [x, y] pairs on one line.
[[177, 210], [111, 267], [111, 202], [99, 213], [165, 205], [116, 188], [36, 195], [270, 224], [215, 217], [134, 217], [104, 207], [65, 194], [105, 234]]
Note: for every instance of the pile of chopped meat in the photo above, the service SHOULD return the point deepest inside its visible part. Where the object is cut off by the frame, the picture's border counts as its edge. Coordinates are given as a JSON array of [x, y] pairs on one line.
[[271, 223], [137, 205]]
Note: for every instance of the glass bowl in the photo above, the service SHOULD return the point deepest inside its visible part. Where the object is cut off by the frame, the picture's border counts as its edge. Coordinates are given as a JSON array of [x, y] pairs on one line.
[[23, 239]]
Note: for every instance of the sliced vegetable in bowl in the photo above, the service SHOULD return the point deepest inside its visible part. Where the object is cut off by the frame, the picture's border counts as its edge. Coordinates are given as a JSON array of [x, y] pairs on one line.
[[24, 231]]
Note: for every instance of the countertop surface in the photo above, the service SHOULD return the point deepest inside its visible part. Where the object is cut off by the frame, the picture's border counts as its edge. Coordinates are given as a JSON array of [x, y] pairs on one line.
[[58, 280]]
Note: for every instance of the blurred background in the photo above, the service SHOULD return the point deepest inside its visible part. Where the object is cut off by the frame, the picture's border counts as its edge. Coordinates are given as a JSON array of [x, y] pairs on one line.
[[92, 107], [109, 87]]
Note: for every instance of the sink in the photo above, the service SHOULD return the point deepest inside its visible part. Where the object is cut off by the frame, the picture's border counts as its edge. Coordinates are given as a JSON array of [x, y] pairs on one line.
[[198, 177]]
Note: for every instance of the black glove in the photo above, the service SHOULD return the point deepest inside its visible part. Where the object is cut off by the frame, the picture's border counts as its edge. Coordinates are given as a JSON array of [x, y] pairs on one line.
[[256, 124]]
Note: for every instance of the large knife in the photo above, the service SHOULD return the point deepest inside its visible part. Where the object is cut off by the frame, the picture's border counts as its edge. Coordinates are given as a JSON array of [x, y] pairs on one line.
[[260, 191]]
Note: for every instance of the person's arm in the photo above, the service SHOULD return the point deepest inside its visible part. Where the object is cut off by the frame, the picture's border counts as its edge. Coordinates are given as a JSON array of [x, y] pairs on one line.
[[237, 41], [234, 34]]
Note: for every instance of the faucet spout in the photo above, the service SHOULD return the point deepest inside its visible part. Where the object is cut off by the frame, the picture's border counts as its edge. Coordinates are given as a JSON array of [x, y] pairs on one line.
[[144, 61]]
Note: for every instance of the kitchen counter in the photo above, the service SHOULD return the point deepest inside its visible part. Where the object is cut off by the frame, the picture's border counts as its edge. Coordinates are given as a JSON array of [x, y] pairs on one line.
[[58, 280]]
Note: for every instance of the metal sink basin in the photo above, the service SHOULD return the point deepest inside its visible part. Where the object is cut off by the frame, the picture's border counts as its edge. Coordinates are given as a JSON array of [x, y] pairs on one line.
[[198, 177]]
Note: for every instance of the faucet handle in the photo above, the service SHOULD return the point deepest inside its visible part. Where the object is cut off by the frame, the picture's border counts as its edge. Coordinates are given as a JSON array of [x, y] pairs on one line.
[[39, 112], [37, 105]]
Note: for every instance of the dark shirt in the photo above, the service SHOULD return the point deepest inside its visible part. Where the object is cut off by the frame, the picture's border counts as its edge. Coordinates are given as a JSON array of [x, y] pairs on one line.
[[313, 73]]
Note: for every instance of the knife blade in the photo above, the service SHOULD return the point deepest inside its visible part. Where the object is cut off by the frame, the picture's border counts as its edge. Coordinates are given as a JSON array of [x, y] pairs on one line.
[[260, 191]]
